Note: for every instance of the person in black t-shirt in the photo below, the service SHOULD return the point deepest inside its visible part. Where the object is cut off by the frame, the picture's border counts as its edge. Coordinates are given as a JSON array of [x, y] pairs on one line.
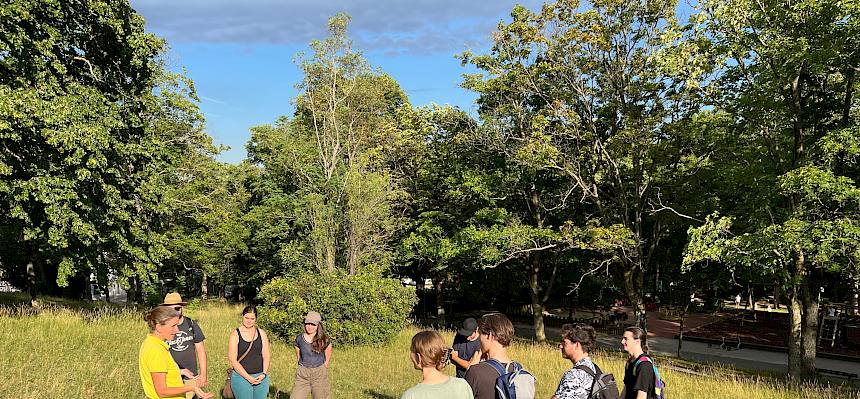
[[638, 379], [186, 347], [467, 347]]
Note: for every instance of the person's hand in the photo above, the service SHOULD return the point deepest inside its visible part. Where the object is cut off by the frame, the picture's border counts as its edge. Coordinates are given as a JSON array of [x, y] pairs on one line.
[[203, 395], [258, 379], [199, 382], [202, 380], [186, 373]]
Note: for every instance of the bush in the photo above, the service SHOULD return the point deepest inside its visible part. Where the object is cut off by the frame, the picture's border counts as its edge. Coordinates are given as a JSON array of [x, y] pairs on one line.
[[360, 309]]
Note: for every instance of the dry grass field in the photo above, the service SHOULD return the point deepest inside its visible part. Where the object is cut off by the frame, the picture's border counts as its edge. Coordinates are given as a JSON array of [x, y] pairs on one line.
[[92, 353]]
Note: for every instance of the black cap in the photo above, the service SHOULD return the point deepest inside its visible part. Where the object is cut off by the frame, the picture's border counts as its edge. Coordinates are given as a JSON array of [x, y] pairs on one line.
[[469, 327]]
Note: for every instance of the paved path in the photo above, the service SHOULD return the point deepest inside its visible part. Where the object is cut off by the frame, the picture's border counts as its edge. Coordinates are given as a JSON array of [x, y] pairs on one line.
[[748, 359]]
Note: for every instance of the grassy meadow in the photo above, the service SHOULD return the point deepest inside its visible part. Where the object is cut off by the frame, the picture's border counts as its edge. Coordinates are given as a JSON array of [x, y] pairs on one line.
[[92, 353]]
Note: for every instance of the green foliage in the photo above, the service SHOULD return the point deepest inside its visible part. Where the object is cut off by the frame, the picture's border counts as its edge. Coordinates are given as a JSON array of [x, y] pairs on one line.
[[357, 309], [90, 123]]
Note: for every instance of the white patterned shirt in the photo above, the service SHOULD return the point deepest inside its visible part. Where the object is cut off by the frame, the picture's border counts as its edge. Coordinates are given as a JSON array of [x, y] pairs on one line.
[[576, 383]]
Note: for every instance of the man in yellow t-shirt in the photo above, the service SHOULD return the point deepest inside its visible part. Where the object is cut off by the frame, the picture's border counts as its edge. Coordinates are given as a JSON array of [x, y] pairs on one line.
[[155, 358]]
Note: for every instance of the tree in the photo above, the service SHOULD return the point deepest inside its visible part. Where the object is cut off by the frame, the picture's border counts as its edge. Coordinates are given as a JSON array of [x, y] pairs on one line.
[[583, 103], [788, 85], [327, 165], [205, 230], [84, 99]]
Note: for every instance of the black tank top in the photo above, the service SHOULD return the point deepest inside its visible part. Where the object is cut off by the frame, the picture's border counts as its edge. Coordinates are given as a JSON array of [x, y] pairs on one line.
[[253, 362]]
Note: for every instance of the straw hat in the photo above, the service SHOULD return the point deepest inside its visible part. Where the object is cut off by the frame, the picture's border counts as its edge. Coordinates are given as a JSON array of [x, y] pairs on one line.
[[173, 298]]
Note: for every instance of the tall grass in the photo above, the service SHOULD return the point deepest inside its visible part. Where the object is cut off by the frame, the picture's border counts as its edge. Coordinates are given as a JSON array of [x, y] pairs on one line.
[[89, 353]]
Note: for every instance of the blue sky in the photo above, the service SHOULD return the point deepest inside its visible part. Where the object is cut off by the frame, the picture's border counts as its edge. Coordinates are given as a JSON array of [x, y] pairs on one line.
[[240, 53]]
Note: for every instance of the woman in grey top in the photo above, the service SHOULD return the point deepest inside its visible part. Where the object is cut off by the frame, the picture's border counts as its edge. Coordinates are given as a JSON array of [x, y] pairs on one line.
[[313, 349]]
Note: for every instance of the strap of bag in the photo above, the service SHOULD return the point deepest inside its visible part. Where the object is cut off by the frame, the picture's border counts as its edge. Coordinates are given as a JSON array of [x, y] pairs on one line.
[[498, 366], [641, 359]]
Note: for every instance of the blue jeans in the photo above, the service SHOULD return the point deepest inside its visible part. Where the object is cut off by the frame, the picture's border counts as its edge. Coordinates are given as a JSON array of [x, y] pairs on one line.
[[242, 389]]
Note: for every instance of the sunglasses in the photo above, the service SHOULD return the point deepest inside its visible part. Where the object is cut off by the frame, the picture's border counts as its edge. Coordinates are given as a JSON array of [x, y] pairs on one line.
[[177, 308]]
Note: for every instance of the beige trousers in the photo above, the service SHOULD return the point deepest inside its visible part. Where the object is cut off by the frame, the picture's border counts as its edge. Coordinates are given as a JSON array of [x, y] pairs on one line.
[[311, 381]]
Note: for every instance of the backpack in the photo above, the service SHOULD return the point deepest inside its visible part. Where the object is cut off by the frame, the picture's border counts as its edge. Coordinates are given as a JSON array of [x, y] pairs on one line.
[[603, 386], [515, 384], [659, 384]]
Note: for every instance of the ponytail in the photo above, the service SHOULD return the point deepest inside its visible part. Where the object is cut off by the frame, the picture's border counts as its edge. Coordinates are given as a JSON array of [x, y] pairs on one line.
[[432, 350]]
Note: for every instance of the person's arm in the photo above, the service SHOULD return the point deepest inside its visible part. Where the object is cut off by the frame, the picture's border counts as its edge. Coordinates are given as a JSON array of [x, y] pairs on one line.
[[455, 356], [328, 351], [233, 357], [298, 355], [201, 363], [159, 382]]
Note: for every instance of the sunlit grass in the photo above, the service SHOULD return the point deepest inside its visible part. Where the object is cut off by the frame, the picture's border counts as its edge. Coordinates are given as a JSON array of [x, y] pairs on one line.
[[62, 353]]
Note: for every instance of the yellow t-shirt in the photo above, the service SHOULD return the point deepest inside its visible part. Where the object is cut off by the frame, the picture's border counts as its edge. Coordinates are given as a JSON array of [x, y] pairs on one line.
[[155, 358]]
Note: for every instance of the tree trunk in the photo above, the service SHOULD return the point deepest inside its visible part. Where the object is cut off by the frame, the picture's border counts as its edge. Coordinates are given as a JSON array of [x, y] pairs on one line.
[[681, 332], [632, 284], [855, 295], [31, 282], [794, 335], [439, 285], [537, 304], [204, 287], [776, 295], [133, 293], [809, 337]]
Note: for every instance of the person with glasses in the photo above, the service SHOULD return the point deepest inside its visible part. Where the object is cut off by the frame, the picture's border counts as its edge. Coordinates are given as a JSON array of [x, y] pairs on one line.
[[187, 347], [576, 342], [313, 350]]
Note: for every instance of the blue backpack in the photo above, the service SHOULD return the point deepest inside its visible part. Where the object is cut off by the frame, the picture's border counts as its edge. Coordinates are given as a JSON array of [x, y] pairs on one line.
[[516, 383], [659, 384]]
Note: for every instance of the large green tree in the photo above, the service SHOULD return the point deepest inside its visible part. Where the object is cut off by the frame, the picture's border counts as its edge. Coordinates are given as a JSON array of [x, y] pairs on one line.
[[582, 104], [327, 168], [788, 87], [90, 122]]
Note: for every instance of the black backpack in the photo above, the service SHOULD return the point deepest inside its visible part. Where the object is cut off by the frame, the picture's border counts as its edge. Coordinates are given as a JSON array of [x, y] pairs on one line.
[[603, 386]]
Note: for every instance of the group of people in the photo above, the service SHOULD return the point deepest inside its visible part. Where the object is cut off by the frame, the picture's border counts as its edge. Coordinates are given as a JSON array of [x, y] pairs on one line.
[[172, 359], [480, 354], [173, 365]]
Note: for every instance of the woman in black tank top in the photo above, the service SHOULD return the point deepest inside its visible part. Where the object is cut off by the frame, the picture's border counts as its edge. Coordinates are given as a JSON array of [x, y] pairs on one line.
[[248, 353]]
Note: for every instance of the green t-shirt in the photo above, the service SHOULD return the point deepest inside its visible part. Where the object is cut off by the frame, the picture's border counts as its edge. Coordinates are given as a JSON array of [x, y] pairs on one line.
[[454, 388]]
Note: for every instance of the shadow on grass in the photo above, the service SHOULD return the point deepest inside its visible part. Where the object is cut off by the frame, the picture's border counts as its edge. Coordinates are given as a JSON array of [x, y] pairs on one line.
[[276, 393], [377, 395]]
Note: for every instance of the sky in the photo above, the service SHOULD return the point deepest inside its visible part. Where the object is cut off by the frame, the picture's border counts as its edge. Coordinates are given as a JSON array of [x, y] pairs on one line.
[[239, 53]]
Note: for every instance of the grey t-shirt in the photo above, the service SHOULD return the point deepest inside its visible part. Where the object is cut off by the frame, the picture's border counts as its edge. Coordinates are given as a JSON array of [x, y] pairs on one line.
[[307, 357], [182, 345]]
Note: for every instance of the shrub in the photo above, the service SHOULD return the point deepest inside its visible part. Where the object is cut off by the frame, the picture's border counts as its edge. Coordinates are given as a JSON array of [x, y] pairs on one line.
[[359, 309]]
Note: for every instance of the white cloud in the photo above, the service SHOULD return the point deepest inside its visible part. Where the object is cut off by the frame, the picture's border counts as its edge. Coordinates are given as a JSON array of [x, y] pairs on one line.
[[417, 26]]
